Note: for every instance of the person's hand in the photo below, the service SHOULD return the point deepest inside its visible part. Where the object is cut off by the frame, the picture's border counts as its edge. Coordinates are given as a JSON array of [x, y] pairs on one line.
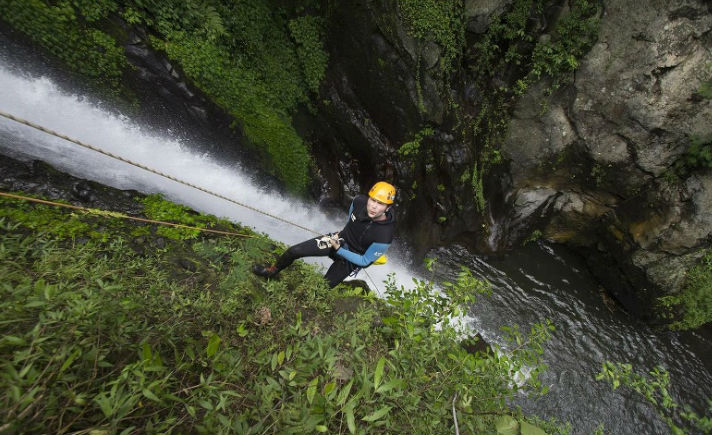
[[335, 241]]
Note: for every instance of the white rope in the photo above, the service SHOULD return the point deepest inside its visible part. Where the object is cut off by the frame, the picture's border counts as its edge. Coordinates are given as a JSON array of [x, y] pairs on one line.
[[146, 168]]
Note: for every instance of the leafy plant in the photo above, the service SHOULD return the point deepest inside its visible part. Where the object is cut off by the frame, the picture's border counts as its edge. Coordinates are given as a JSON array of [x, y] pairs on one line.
[[654, 388], [98, 339], [439, 22], [573, 37], [412, 148], [695, 299], [533, 237]]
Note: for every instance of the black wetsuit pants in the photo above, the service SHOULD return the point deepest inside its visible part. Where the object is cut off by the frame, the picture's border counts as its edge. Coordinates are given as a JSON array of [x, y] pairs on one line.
[[338, 271]]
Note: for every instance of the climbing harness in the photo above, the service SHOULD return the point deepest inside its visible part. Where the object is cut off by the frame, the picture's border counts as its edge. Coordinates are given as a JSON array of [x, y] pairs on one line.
[[325, 241], [146, 168]]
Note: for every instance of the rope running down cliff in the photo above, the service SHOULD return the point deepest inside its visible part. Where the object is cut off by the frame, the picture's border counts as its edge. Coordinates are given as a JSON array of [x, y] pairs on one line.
[[170, 177], [146, 168], [120, 215]]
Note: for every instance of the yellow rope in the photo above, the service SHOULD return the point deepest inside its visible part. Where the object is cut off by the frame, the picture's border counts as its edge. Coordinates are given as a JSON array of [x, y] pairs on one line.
[[119, 215], [146, 168]]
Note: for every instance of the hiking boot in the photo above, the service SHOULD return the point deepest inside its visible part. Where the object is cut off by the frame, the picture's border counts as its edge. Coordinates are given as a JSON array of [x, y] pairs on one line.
[[265, 271]]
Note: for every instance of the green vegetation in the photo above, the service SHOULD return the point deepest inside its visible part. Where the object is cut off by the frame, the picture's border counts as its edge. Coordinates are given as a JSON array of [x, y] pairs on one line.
[[85, 48], [533, 237], [412, 149], [507, 44], [254, 59], [697, 156], [695, 300], [439, 22], [598, 174], [485, 133], [654, 388], [306, 32], [573, 37], [157, 208], [509, 58], [706, 90], [45, 218], [122, 334]]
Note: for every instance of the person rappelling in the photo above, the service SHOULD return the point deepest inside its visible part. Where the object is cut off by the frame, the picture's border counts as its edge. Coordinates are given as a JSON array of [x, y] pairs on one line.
[[364, 240]]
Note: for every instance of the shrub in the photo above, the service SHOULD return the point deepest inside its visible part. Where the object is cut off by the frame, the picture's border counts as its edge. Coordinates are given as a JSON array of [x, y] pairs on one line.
[[695, 299], [654, 388]]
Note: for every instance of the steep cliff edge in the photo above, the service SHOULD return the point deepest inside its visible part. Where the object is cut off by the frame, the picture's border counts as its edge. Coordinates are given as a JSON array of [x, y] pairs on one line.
[[603, 168], [598, 158]]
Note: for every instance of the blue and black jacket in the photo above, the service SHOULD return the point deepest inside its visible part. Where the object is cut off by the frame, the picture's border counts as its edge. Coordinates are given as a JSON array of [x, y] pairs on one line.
[[365, 240]]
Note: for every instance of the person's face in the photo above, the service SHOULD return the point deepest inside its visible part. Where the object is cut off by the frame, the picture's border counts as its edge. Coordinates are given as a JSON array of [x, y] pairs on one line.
[[375, 209]]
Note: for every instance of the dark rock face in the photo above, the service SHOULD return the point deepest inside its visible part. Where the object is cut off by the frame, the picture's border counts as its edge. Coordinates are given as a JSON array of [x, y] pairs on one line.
[[591, 172], [169, 101], [382, 87], [42, 179], [627, 118]]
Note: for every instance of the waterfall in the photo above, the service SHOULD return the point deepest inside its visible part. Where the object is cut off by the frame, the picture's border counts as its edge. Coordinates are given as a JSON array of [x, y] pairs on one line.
[[40, 100]]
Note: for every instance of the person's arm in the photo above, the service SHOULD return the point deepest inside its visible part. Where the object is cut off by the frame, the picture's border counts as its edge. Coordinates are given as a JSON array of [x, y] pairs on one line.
[[372, 254]]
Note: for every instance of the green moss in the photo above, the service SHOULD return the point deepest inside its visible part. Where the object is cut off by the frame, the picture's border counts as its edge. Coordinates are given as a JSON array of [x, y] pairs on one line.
[[43, 218], [157, 208], [64, 29], [307, 34], [477, 187], [695, 300], [706, 89], [440, 22]]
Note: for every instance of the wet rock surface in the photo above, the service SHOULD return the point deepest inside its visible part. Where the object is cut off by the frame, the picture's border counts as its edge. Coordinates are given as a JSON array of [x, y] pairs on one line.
[[39, 178], [628, 117]]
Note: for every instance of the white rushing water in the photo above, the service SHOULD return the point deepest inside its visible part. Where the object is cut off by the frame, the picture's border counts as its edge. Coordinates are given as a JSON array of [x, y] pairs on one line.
[[41, 101]]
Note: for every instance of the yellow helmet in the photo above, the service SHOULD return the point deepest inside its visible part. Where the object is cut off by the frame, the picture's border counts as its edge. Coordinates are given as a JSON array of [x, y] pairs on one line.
[[383, 192]]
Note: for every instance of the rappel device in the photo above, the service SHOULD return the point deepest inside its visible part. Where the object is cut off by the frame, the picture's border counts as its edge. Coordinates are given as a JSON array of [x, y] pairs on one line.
[[324, 242]]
